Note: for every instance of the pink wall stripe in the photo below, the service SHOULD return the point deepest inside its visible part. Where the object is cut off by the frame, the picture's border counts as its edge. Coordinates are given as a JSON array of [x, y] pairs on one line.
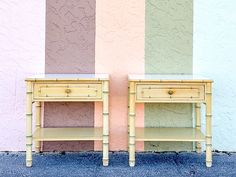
[[119, 51]]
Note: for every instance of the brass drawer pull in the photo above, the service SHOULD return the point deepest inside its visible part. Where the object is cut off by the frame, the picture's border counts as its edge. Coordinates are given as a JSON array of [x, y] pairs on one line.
[[68, 91], [170, 92]]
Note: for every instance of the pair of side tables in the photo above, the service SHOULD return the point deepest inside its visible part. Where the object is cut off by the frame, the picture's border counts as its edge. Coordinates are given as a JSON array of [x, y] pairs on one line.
[[147, 88]]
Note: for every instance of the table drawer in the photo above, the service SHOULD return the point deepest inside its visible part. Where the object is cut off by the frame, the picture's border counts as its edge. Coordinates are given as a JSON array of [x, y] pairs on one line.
[[83, 90], [173, 92]]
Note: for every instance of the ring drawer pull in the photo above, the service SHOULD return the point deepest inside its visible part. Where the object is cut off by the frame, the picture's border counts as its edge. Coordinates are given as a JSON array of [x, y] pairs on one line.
[[68, 91], [170, 92]]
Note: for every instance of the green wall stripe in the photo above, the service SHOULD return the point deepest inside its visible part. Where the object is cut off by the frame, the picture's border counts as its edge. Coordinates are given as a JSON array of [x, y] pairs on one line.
[[168, 49]]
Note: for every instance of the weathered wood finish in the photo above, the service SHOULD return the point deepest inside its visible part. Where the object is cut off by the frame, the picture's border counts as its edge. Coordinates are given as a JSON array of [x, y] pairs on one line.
[[79, 88], [165, 89]]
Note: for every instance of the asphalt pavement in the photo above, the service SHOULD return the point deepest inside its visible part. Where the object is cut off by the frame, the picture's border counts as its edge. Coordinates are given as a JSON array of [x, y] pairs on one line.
[[84, 164]]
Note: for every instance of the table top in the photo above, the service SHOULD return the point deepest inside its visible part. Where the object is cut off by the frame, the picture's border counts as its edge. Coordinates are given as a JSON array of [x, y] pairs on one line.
[[168, 77], [69, 77]]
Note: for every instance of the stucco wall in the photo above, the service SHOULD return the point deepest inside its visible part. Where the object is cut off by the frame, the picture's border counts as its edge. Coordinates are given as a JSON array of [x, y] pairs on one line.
[[214, 56], [22, 46], [70, 48], [120, 51], [168, 50]]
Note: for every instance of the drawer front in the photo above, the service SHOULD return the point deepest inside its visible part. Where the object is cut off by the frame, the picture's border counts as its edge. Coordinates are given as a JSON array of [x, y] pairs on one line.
[[69, 91], [169, 93]]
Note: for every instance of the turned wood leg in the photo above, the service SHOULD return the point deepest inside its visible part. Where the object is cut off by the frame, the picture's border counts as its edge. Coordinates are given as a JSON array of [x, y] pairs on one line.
[[37, 124], [198, 125], [132, 125], [106, 123], [29, 124], [208, 125]]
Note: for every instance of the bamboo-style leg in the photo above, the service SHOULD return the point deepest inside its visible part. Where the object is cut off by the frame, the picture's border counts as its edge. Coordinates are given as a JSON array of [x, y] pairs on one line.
[[128, 118], [29, 124], [132, 125], [37, 124], [105, 123], [208, 125], [198, 125]]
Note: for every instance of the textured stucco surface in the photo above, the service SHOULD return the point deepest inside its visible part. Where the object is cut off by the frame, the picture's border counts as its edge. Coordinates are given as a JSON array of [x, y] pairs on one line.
[[22, 36], [70, 48], [70, 36], [168, 49], [68, 115], [214, 57], [120, 51], [168, 115], [168, 36], [22, 48]]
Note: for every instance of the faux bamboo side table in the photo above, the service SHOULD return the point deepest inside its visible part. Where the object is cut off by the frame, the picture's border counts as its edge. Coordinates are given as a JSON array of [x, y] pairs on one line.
[[152, 88], [66, 88]]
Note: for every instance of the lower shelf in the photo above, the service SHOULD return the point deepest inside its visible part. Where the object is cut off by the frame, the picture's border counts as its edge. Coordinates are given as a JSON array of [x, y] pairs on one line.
[[67, 134], [169, 134]]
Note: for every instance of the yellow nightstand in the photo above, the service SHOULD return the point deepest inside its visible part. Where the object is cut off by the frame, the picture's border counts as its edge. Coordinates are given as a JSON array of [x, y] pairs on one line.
[[153, 88], [66, 88]]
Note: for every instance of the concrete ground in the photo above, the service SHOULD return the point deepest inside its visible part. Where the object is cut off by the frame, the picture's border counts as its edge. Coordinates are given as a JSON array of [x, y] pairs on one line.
[[90, 164]]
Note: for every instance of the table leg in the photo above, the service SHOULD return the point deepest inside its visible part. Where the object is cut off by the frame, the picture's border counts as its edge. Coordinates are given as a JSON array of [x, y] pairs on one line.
[[29, 124], [105, 123], [198, 125], [128, 118], [132, 124], [208, 125], [38, 124]]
